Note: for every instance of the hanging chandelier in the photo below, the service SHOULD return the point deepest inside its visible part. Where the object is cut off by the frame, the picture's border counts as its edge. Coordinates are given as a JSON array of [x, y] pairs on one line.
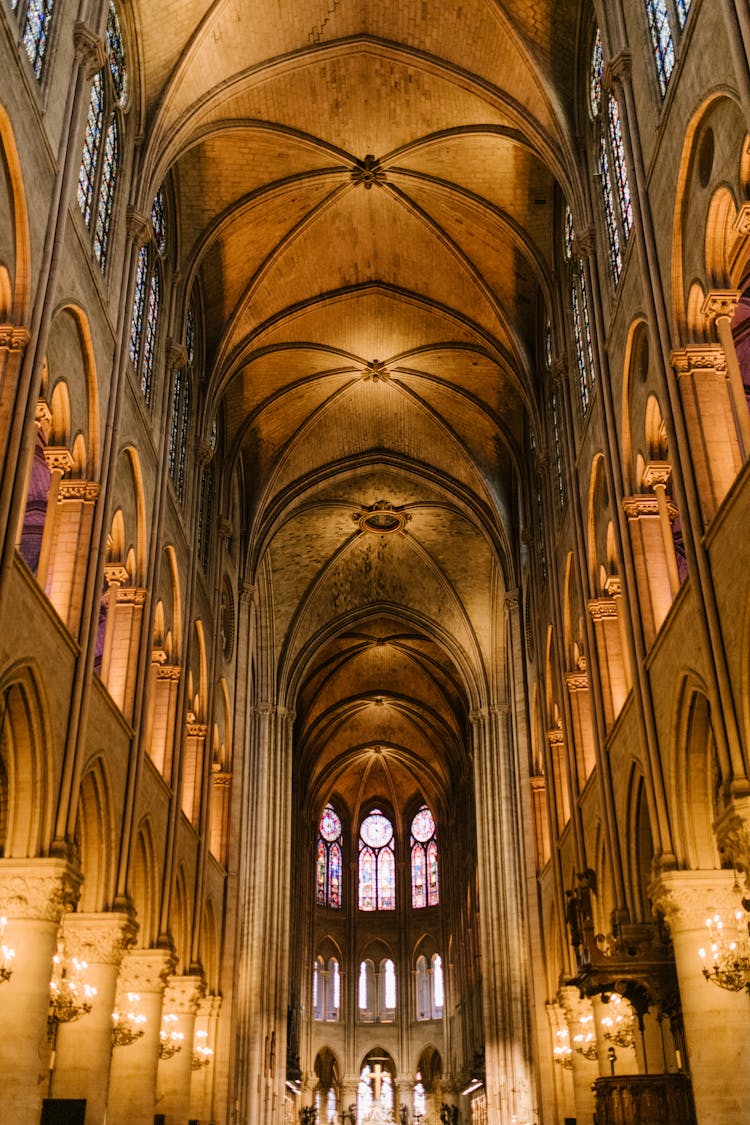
[[127, 1027], [726, 959], [170, 1039], [6, 954], [202, 1053], [584, 1042], [70, 997], [617, 1025]]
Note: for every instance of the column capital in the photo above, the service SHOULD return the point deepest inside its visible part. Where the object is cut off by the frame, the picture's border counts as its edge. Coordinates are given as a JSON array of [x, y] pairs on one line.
[[58, 458], [248, 593], [602, 609], [555, 736], [182, 995], [138, 226], [177, 356], [115, 574], [657, 472], [699, 357], [512, 598], [86, 490], [100, 939], [13, 337], [89, 48], [42, 416], [584, 243], [38, 889], [741, 224], [720, 302], [559, 369], [478, 716], [688, 898], [146, 970], [618, 69], [577, 681], [732, 830]]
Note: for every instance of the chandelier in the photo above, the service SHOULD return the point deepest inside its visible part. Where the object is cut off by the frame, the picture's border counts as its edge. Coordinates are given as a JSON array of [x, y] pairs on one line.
[[585, 1041], [202, 1053], [128, 1027], [6, 954], [617, 1027], [70, 997], [726, 961], [562, 1051], [170, 1039]]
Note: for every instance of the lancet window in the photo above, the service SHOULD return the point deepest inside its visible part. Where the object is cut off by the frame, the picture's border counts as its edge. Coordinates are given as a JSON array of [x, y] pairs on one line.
[[328, 863], [666, 20], [430, 991], [181, 405], [611, 167], [100, 160], [377, 863], [425, 887], [326, 990], [579, 307]]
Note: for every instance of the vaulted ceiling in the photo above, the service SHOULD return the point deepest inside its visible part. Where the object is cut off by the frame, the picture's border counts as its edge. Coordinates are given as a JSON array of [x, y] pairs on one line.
[[365, 194]]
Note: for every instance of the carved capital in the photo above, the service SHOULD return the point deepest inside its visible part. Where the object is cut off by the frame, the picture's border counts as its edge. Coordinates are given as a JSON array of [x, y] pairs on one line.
[[720, 302], [699, 357], [138, 226], [576, 681], [657, 472], [203, 453], [170, 672], [100, 939], [618, 69], [688, 898], [645, 504], [115, 574], [602, 609], [43, 418], [146, 970], [613, 586], [559, 369], [555, 737], [501, 710], [221, 779], [59, 459], [131, 595], [538, 783], [87, 490], [732, 830], [41, 890], [741, 224], [511, 599], [177, 356], [182, 994], [89, 49], [226, 529], [196, 730], [584, 243], [248, 593], [13, 337]]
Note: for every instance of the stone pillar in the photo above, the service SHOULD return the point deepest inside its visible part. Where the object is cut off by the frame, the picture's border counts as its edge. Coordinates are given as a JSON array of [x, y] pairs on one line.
[[163, 720], [653, 557], [561, 791], [33, 896], [181, 998], [69, 554], [717, 1028], [202, 1082], [710, 421], [720, 306], [579, 1017], [221, 791], [132, 1084], [123, 657], [193, 751], [84, 1046], [538, 786], [13, 341], [115, 575], [613, 672], [59, 462], [577, 684]]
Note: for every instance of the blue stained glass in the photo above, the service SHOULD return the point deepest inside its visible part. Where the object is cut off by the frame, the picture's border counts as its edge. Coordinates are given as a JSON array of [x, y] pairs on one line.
[[683, 8], [106, 193], [608, 199], [366, 879], [586, 322], [116, 55], [174, 428], [92, 140], [159, 222], [329, 847], [139, 305], [661, 37], [583, 379], [424, 860], [568, 234], [433, 884], [377, 864], [597, 72], [149, 341], [35, 32], [386, 879], [621, 170], [190, 334], [184, 424], [320, 875], [418, 877], [334, 877]]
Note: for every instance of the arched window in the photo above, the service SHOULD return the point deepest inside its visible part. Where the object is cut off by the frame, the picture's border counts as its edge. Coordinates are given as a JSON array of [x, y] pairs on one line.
[[377, 863], [206, 504], [662, 39], [178, 433], [612, 170], [423, 989], [366, 998], [144, 324], [318, 989], [387, 998], [429, 982], [425, 887], [326, 990], [438, 993], [35, 18], [328, 860], [97, 179], [579, 307]]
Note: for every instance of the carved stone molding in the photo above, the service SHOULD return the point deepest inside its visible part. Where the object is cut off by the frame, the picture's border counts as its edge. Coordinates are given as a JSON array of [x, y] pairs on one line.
[[732, 830], [89, 48], [720, 302], [115, 574], [687, 898], [248, 593], [203, 453], [576, 681], [538, 783], [169, 672], [618, 69], [584, 243], [555, 736], [139, 226], [58, 458], [478, 716], [100, 939], [146, 970], [602, 609], [13, 337], [645, 504], [699, 357], [86, 490], [221, 779], [741, 224], [177, 356], [43, 417], [196, 730], [38, 889], [613, 586], [376, 371], [657, 472], [131, 595], [182, 994], [368, 172], [512, 599], [210, 1006]]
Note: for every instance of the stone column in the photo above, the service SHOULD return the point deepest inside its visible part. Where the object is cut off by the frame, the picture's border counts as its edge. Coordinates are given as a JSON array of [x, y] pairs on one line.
[[33, 896], [720, 306], [653, 556], [611, 656], [717, 1028], [115, 575], [561, 788], [84, 1046], [59, 462], [181, 998], [132, 1084], [580, 1020], [66, 577], [577, 684]]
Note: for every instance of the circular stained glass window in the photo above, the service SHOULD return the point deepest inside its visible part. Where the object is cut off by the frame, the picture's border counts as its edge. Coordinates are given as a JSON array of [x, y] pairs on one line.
[[376, 829], [423, 826], [330, 825]]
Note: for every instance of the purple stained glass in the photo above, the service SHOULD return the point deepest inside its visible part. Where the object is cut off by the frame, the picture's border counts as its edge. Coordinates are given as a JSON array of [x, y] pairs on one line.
[[433, 883], [597, 71], [91, 142], [423, 826], [621, 170], [159, 222], [661, 38], [116, 55], [366, 879], [139, 305], [334, 877], [149, 341], [376, 829], [330, 825], [106, 193], [386, 879], [35, 33], [320, 875]]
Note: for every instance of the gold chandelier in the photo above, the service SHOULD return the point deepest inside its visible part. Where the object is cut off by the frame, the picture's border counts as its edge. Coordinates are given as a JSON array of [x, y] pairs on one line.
[[726, 959], [70, 997]]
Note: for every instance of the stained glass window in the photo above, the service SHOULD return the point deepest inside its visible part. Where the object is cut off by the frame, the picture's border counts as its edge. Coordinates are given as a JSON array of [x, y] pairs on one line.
[[205, 515], [558, 446], [568, 234], [139, 305], [328, 867], [613, 238], [620, 168], [377, 863], [661, 38], [92, 140], [145, 319], [149, 338], [388, 986], [106, 192], [183, 440], [548, 344], [611, 167], [190, 333], [97, 178], [35, 32], [583, 376], [682, 7], [159, 222], [425, 888], [597, 72]]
